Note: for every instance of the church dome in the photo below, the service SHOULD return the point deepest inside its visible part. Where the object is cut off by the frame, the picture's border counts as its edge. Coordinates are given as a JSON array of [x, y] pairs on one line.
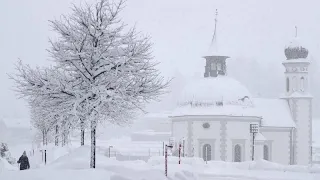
[[295, 50], [221, 90]]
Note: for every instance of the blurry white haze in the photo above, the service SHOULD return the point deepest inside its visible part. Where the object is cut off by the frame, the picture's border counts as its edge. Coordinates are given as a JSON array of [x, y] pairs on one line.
[[253, 33]]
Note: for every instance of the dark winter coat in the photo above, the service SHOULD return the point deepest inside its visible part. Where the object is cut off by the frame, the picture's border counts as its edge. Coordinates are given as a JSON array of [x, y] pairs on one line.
[[24, 162]]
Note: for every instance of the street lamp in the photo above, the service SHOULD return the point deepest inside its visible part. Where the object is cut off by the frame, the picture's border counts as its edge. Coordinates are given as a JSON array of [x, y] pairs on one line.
[[166, 158], [254, 129], [110, 150]]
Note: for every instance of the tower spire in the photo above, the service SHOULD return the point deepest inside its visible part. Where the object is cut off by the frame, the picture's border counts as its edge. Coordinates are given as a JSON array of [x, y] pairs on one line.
[[296, 31], [215, 62], [214, 46]]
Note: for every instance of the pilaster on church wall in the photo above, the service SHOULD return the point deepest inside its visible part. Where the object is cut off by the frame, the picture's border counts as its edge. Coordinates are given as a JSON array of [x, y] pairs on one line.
[[201, 136], [303, 129]]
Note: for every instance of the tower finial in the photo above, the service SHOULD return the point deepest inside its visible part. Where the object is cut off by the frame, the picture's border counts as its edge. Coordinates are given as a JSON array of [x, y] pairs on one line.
[[296, 31], [215, 28]]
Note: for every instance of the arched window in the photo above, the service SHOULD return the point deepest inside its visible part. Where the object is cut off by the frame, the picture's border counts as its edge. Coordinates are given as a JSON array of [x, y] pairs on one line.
[[237, 153], [302, 85], [288, 85], [266, 152], [294, 83], [206, 152]]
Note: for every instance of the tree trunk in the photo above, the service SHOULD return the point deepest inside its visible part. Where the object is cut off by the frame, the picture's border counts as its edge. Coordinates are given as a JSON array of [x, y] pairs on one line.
[[93, 146], [43, 138], [56, 142], [46, 138], [63, 140], [82, 137], [82, 131]]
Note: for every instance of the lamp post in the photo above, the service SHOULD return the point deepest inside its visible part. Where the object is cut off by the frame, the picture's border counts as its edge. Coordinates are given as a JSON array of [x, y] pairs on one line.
[[110, 150], [166, 159], [179, 153], [254, 129]]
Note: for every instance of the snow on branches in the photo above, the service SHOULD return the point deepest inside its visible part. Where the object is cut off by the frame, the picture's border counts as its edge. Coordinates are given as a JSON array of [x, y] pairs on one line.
[[103, 71]]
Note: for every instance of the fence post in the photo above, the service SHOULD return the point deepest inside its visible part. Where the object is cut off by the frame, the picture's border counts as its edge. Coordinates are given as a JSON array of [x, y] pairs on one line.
[[45, 156], [180, 153]]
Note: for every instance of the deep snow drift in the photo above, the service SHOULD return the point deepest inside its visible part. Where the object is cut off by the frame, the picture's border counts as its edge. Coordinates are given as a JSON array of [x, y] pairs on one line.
[[75, 162]]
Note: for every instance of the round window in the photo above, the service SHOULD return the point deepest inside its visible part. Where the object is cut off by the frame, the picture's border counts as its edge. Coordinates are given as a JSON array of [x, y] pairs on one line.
[[206, 125]]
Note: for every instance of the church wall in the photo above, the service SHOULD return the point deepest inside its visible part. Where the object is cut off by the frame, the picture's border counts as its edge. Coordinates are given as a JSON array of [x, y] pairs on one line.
[[278, 141], [223, 135], [202, 136], [239, 133]]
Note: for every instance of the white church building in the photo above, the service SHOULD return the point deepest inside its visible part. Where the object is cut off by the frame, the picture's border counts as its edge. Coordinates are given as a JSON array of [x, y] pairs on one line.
[[215, 112]]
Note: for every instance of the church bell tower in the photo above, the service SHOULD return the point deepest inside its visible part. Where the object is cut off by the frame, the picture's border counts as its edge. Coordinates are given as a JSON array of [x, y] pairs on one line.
[[215, 62], [299, 99]]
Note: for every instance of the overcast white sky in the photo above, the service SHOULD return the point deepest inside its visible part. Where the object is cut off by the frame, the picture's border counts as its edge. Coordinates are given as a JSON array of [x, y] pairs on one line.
[[181, 31]]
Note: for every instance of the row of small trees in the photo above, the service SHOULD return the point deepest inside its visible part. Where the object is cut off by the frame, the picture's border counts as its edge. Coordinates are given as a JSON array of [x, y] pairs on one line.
[[103, 71]]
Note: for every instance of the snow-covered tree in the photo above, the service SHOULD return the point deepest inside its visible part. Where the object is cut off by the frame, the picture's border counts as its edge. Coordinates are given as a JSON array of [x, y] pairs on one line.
[[103, 70]]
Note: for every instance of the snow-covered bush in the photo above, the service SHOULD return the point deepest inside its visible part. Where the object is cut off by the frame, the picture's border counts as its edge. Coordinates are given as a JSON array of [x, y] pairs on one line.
[[5, 154], [3, 149]]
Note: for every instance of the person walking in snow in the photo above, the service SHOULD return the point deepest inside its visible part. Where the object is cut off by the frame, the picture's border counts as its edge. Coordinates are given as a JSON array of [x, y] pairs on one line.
[[24, 161]]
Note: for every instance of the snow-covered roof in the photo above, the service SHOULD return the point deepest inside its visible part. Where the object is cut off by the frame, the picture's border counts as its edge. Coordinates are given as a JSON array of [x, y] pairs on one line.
[[295, 43], [226, 110], [213, 51], [274, 112], [213, 89], [295, 61], [259, 137]]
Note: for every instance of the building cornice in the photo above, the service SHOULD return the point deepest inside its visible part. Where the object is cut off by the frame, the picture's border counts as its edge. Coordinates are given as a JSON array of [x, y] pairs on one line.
[[216, 118]]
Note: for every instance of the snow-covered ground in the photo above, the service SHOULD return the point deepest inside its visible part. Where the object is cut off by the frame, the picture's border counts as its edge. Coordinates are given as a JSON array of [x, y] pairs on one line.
[[73, 162], [70, 162]]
